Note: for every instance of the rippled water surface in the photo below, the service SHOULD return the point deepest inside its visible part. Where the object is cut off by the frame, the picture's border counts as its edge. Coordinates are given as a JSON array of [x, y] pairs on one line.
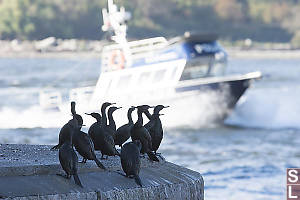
[[244, 158]]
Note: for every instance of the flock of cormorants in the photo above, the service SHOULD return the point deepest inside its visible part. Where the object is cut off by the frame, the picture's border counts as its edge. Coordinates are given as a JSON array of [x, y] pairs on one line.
[[102, 136]]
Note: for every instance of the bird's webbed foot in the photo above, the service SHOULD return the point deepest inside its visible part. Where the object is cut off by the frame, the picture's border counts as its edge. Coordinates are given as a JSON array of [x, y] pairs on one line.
[[130, 176], [159, 155], [66, 176], [83, 160], [142, 155]]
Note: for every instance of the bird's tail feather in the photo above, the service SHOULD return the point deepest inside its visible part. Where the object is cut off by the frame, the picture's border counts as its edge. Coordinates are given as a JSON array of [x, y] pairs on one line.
[[55, 147], [77, 180], [152, 156], [138, 180], [117, 152], [99, 164]]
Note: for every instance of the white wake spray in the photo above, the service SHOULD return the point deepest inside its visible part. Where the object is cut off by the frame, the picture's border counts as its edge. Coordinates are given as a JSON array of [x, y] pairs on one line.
[[193, 110], [274, 108]]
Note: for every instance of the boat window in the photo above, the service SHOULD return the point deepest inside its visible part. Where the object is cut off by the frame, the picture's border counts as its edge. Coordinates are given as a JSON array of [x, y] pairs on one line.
[[159, 75], [196, 68], [218, 69], [207, 47], [108, 87], [174, 72], [144, 77], [123, 81]]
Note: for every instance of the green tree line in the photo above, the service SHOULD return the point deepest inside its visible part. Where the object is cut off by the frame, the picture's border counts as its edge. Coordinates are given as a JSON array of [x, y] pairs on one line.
[[260, 20]]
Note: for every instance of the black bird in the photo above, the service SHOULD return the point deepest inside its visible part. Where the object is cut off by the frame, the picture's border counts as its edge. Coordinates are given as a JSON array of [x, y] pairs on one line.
[[67, 156], [103, 113], [139, 132], [111, 127], [98, 125], [85, 147], [74, 114], [102, 139], [108, 146], [65, 130], [83, 143], [94, 128], [154, 127], [131, 161], [123, 132]]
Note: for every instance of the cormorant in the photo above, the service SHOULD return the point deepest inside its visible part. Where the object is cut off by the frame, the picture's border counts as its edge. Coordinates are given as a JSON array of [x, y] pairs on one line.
[[154, 127], [139, 132], [65, 130], [103, 113], [83, 143], [98, 125], [108, 146], [131, 161], [102, 139], [94, 128], [123, 132], [67, 156]]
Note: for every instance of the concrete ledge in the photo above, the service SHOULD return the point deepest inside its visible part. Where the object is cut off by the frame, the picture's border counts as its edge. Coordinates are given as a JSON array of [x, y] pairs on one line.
[[29, 172]]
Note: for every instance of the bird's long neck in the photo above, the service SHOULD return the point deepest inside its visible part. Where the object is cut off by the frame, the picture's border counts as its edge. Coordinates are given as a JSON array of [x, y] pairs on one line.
[[99, 120], [72, 129], [73, 111], [155, 115], [111, 121], [103, 119], [147, 113], [129, 116], [158, 121], [139, 122]]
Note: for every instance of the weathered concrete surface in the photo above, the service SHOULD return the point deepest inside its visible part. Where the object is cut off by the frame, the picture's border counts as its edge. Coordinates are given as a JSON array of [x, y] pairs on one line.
[[29, 172]]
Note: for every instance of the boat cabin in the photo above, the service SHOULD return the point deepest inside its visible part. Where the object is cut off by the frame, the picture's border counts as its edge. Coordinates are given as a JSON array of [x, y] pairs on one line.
[[204, 56]]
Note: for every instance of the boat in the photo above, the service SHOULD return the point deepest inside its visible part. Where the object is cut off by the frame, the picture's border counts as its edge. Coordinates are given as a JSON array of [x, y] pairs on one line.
[[160, 71]]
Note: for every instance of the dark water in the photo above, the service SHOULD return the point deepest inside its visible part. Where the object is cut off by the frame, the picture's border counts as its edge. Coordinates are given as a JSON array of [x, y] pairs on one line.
[[245, 158]]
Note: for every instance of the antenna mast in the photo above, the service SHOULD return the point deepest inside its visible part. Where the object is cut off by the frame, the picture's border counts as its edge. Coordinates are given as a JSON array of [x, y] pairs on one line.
[[114, 21]]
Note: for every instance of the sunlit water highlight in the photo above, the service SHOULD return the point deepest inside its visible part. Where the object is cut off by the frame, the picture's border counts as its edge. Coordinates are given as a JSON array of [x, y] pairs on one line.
[[245, 158]]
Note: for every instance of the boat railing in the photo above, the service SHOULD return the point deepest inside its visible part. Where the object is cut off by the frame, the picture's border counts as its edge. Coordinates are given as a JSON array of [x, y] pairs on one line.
[[137, 49], [50, 99], [139, 46], [82, 94], [146, 45]]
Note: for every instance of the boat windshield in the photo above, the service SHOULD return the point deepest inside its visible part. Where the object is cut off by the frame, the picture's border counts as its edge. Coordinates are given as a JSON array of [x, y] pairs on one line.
[[201, 67]]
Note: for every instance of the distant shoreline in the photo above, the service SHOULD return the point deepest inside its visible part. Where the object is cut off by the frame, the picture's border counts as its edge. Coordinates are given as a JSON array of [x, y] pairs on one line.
[[283, 54], [63, 54], [84, 49]]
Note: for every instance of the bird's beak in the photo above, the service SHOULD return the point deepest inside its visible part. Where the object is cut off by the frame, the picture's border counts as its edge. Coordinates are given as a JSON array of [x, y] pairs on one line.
[[161, 114], [119, 107], [166, 106], [88, 113], [83, 125], [112, 103]]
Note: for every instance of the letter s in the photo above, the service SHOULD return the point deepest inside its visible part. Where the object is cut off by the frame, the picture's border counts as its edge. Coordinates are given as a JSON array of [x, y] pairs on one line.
[[293, 178]]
